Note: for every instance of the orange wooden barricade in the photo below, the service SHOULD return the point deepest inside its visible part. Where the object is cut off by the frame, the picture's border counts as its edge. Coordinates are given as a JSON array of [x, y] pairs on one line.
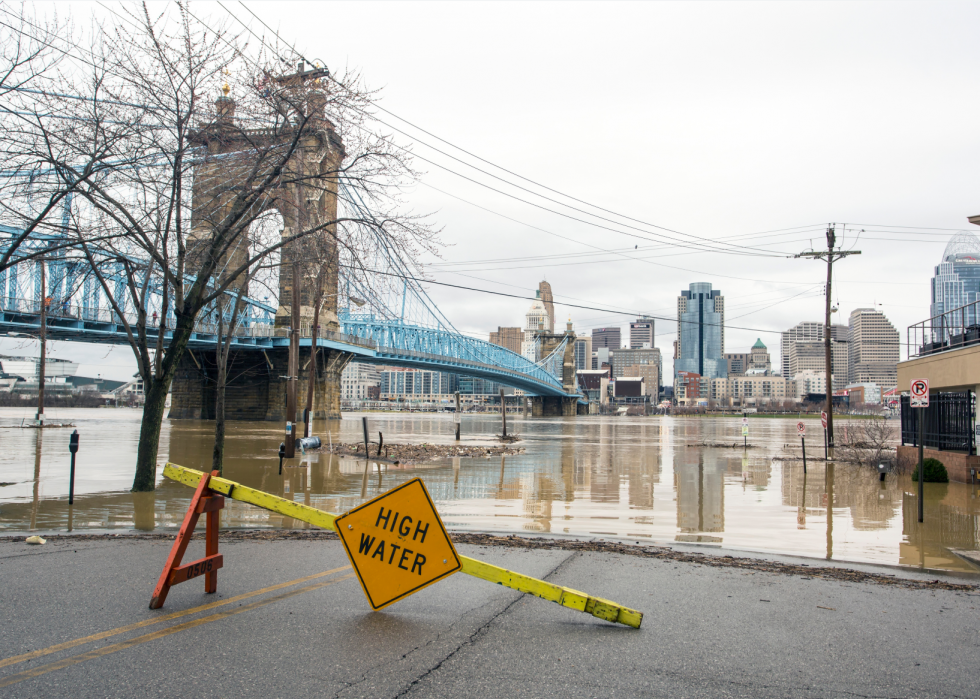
[[207, 501]]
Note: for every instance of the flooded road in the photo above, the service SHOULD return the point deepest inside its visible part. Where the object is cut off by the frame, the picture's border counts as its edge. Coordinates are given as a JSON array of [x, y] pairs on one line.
[[649, 479]]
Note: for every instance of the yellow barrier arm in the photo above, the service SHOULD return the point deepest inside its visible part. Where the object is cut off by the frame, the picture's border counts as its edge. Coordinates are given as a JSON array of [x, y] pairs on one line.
[[566, 597]]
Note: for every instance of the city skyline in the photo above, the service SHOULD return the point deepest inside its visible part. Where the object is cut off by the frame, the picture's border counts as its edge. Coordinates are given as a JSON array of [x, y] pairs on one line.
[[768, 185]]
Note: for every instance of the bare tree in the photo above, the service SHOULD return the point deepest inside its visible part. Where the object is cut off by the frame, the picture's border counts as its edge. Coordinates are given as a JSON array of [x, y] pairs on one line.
[[166, 226]]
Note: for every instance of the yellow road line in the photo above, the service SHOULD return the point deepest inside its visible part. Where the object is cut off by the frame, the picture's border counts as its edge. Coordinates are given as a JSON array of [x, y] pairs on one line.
[[156, 620], [123, 645]]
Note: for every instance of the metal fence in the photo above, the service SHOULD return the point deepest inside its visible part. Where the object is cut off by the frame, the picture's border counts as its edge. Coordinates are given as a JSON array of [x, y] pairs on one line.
[[948, 422]]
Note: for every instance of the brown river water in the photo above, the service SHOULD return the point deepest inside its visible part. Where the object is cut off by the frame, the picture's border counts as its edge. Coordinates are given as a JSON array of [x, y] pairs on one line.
[[645, 479]]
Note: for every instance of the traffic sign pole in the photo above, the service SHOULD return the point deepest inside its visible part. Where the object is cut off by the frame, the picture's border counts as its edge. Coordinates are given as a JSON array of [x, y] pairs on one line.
[[919, 399], [801, 430]]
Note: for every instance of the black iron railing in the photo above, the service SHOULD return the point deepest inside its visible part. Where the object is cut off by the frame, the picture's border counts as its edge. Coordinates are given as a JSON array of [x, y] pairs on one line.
[[948, 422]]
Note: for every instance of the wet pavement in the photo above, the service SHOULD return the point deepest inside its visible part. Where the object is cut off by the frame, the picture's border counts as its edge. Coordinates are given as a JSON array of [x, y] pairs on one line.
[[289, 619], [646, 479]]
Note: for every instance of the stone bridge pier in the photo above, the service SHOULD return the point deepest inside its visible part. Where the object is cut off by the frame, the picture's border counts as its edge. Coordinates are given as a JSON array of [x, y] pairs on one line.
[[553, 406], [256, 387]]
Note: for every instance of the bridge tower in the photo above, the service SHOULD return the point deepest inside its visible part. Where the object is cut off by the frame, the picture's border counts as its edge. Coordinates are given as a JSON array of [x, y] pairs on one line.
[[256, 388], [558, 406]]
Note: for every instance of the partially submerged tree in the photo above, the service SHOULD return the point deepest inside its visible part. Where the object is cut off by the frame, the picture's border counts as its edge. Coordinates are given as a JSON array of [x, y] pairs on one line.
[[167, 229]]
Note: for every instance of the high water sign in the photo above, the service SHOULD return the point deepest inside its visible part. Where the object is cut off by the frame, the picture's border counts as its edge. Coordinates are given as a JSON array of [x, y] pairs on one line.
[[397, 544]]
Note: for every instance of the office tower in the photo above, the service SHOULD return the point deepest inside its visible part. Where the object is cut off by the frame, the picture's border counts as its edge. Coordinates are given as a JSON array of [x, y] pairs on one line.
[[544, 293], [803, 350], [583, 353], [641, 333], [510, 338], [872, 349], [957, 280], [700, 323], [606, 337], [622, 358]]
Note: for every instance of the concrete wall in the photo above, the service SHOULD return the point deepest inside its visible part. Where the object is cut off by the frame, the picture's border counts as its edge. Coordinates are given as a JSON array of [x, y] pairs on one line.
[[954, 370]]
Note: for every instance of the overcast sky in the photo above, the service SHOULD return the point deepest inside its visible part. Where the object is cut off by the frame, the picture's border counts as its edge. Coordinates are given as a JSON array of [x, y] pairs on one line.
[[713, 120]]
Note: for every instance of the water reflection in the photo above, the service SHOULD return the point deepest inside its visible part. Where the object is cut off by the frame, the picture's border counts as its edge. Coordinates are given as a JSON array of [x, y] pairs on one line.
[[642, 478]]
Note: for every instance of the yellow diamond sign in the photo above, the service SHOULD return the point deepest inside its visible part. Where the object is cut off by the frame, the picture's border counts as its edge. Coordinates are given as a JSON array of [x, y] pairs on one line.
[[397, 544]]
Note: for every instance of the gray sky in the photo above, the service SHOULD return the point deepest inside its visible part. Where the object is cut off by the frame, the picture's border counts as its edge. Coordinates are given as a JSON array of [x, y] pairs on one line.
[[713, 120]]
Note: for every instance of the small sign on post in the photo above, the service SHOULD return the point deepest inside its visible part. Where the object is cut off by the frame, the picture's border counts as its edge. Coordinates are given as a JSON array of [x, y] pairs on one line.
[[801, 428], [823, 419], [920, 394], [919, 398]]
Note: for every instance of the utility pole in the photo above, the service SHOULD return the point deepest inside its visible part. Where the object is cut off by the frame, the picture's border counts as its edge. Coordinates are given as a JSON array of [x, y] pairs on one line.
[[830, 256], [293, 378]]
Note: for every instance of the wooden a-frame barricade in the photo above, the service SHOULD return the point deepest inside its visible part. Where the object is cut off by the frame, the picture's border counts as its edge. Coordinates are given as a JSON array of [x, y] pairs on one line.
[[204, 501]]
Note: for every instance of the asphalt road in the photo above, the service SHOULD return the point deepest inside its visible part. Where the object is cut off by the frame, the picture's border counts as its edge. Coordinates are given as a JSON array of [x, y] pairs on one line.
[[707, 632]]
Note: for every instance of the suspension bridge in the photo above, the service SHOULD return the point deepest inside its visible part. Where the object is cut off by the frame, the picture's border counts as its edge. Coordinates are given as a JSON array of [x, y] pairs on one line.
[[379, 311], [398, 328]]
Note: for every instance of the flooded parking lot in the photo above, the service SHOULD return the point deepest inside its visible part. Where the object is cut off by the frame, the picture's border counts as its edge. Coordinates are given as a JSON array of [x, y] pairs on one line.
[[650, 479]]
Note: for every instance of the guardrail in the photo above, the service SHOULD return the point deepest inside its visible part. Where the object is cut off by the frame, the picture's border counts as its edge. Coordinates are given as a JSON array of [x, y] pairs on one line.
[[953, 329]]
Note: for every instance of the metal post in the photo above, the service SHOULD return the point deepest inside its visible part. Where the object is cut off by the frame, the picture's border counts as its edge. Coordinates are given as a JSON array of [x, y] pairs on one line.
[[364, 424], [43, 338], [73, 448], [922, 415], [459, 416], [503, 411], [282, 455], [825, 442], [293, 378], [803, 442]]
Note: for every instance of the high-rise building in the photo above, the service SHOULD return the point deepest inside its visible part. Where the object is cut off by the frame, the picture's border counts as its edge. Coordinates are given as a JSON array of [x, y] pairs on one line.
[[700, 332], [606, 337], [957, 279], [359, 381], [801, 332], [651, 377], [872, 349], [510, 338], [808, 331], [583, 353], [544, 293], [535, 322], [641, 333], [622, 358], [812, 356]]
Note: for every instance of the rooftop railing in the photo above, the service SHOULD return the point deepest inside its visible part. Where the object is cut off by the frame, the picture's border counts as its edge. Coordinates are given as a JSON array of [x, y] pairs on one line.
[[950, 330]]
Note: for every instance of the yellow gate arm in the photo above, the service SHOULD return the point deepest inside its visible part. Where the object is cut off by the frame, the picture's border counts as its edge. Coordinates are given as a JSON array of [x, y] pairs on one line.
[[566, 597]]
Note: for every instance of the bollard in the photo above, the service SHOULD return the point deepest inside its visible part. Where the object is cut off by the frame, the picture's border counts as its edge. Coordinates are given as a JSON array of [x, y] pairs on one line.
[[457, 417], [73, 448], [381, 443], [881, 472], [282, 455]]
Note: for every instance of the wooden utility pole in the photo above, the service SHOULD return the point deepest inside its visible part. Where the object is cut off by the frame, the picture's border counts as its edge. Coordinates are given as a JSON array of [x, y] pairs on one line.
[[829, 256], [293, 377], [503, 411], [44, 338]]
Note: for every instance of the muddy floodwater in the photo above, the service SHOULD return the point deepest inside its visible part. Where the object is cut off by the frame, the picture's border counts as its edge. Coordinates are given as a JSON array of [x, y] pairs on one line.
[[648, 479]]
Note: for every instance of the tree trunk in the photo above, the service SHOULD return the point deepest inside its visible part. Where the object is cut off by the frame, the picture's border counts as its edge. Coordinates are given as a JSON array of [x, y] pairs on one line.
[[149, 444], [156, 400], [217, 456]]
